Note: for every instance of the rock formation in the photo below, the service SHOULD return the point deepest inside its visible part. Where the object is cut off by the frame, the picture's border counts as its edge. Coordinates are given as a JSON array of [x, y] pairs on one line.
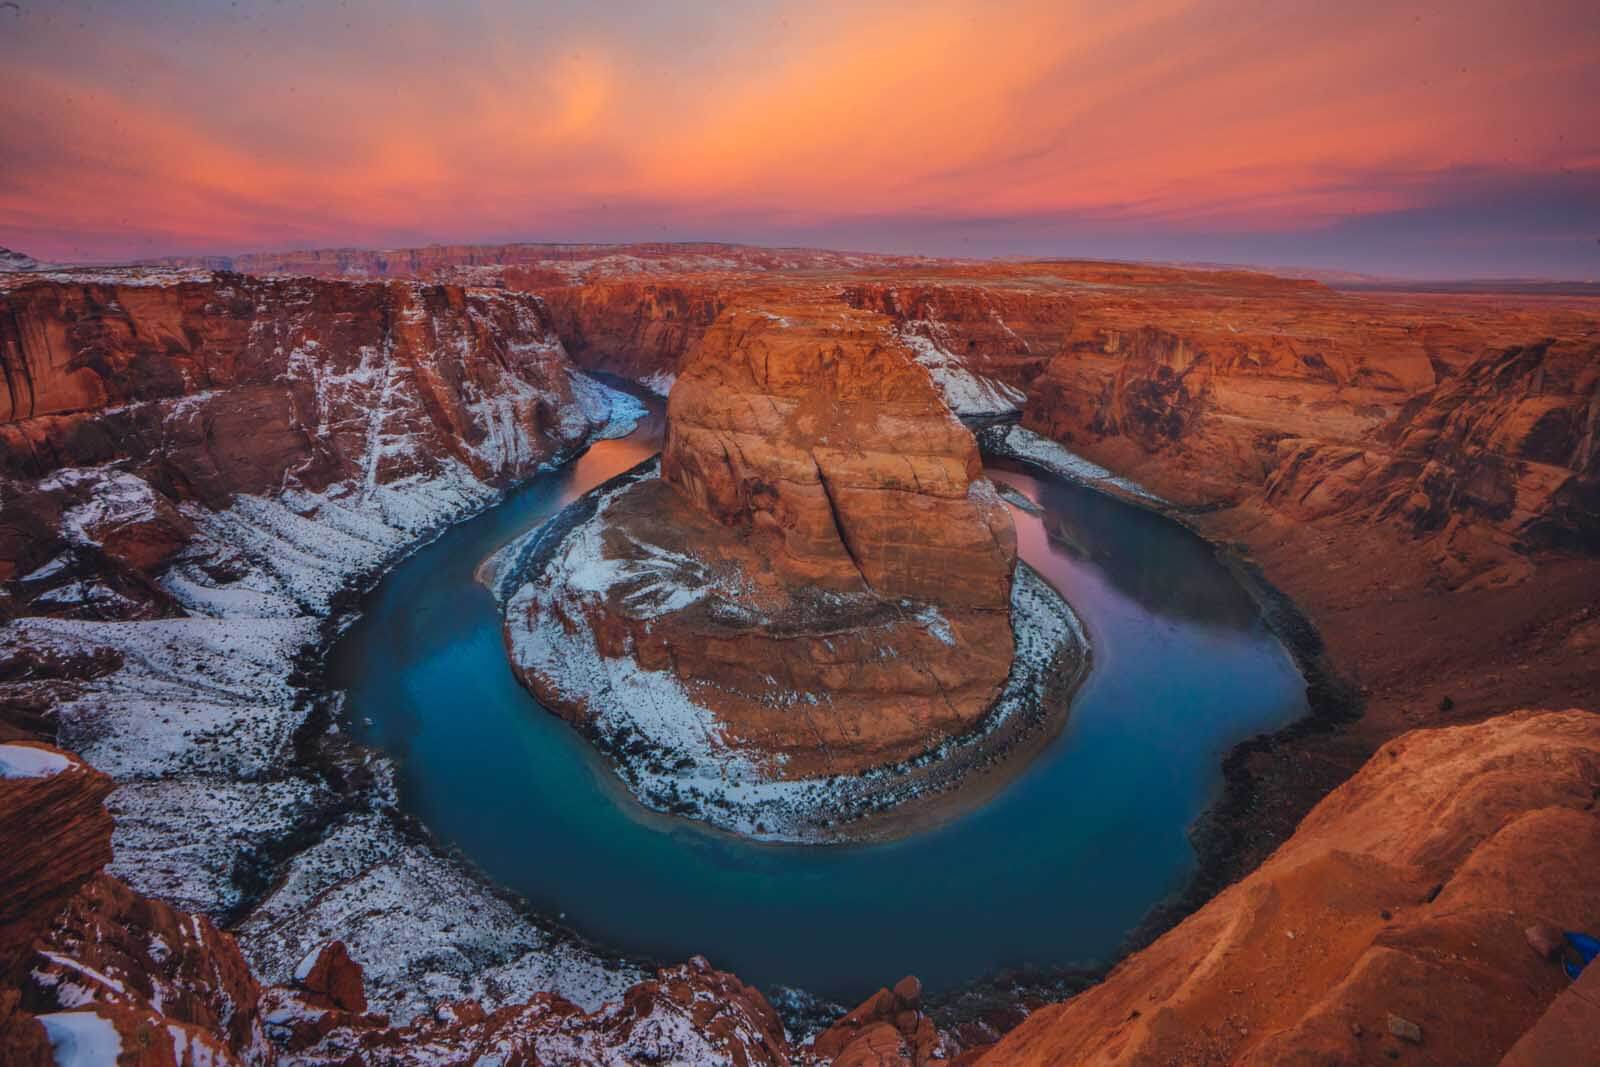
[[819, 582], [1504, 456], [55, 836], [1391, 923], [817, 433]]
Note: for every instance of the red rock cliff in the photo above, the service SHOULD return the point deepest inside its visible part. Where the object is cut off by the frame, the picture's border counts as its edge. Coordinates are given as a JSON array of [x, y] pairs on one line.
[[147, 391]]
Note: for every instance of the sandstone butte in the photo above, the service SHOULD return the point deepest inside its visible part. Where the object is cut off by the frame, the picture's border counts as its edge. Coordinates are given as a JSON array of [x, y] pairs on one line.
[[861, 564], [1416, 470]]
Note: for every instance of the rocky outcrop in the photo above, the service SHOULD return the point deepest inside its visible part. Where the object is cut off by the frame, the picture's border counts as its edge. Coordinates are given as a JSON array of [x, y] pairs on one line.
[[819, 436], [1391, 922], [1503, 457], [819, 582], [888, 1028]]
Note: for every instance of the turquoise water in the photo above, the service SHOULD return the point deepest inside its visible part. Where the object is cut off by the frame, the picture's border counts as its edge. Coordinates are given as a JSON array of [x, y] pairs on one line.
[[1054, 870]]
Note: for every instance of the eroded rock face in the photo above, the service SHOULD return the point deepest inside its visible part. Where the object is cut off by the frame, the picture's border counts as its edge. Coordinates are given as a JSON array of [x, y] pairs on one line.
[[55, 835], [1404, 894], [819, 435], [639, 330], [984, 344], [133, 397], [1504, 455], [819, 581]]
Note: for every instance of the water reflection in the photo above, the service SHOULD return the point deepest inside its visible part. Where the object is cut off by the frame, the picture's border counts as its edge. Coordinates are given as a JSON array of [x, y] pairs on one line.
[[1151, 559]]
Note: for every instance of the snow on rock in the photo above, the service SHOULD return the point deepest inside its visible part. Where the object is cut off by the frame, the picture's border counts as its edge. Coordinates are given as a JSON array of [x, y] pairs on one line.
[[114, 500], [967, 393], [188, 841], [26, 761], [194, 696], [82, 1038], [198, 723], [660, 383], [421, 926], [1017, 443]]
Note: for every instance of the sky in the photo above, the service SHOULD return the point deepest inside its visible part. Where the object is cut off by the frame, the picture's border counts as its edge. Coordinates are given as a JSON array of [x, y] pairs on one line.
[[1450, 139]]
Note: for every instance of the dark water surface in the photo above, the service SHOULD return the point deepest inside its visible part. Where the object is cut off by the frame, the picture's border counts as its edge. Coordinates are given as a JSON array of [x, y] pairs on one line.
[[1054, 870]]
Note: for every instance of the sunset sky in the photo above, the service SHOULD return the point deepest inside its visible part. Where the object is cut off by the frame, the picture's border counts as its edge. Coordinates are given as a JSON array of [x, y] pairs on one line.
[[1458, 138]]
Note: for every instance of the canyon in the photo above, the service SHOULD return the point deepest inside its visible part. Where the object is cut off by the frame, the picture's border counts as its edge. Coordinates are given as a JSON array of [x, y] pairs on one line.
[[205, 462]]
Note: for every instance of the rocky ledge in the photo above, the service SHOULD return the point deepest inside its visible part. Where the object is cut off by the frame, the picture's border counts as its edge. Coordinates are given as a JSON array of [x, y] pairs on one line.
[[813, 611]]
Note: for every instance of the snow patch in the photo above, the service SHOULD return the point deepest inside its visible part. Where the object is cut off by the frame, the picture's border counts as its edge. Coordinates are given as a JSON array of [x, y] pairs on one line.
[[25, 761], [660, 383], [197, 726], [967, 393], [82, 1039], [1018, 443]]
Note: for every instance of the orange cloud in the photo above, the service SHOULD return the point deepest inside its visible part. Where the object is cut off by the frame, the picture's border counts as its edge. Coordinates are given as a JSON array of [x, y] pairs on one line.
[[493, 119]]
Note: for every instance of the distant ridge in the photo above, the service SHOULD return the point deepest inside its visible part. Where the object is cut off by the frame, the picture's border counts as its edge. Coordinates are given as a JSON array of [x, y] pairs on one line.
[[15, 261], [1486, 286]]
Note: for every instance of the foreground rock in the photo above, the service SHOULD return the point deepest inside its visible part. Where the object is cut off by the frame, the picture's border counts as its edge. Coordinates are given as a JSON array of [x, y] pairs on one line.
[[94, 972], [1391, 925], [1404, 895]]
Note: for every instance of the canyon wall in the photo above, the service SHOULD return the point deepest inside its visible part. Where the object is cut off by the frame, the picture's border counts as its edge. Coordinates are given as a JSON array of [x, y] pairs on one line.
[[639, 330], [1503, 457], [133, 397], [198, 471], [997, 332]]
